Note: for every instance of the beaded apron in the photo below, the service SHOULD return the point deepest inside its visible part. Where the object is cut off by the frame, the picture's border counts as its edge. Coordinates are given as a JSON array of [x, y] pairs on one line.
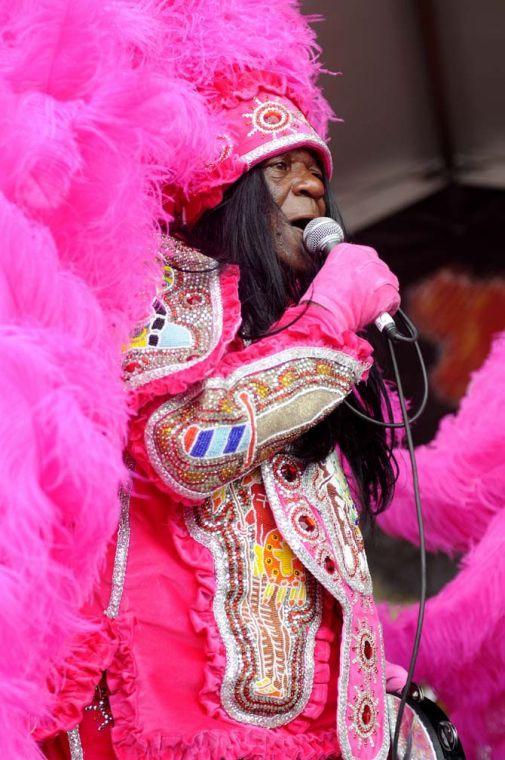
[[272, 533], [267, 606]]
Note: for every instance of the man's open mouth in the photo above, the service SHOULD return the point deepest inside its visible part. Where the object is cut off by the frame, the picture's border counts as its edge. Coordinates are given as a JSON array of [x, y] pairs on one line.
[[301, 222]]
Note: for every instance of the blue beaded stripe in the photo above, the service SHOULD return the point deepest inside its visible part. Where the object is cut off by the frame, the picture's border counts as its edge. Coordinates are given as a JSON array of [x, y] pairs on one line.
[[202, 443], [216, 442], [236, 434]]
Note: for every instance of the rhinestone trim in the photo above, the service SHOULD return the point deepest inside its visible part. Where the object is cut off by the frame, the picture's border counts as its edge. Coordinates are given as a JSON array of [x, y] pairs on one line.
[[281, 144], [74, 744], [121, 555]]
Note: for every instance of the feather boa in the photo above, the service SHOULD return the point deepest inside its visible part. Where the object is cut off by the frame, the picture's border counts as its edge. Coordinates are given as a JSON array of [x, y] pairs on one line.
[[102, 105], [462, 476]]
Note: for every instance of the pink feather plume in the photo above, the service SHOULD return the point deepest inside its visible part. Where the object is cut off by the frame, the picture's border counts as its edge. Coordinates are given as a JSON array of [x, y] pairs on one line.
[[462, 476], [101, 106]]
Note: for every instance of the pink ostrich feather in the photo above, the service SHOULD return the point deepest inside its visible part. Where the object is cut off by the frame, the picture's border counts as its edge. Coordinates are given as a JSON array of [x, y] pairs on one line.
[[462, 475], [86, 144], [101, 106], [462, 471], [257, 35]]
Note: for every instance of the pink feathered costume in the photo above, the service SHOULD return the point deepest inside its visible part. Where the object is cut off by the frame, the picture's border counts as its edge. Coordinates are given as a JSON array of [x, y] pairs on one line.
[[238, 573], [216, 641], [101, 105]]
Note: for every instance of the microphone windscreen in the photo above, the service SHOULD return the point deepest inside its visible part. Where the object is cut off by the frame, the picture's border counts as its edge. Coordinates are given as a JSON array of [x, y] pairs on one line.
[[321, 235]]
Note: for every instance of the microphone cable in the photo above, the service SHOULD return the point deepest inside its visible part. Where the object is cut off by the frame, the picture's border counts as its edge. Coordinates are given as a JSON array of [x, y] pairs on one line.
[[407, 421]]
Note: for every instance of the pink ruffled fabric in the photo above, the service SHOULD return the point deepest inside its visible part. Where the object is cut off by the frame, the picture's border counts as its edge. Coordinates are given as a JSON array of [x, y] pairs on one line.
[[177, 382], [247, 84], [121, 680], [295, 740], [251, 743], [75, 682]]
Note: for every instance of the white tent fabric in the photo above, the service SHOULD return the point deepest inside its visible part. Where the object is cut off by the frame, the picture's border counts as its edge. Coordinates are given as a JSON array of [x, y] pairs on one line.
[[388, 152]]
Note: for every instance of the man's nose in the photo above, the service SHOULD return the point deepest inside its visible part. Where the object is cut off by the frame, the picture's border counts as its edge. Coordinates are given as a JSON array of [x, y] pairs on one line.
[[308, 184]]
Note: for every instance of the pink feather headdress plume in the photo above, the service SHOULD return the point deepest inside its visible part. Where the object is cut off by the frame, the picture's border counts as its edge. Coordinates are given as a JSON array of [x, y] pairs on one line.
[[102, 106]]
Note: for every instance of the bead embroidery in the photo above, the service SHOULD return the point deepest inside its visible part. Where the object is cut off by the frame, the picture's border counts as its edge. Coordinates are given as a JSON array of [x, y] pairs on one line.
[[361, 722], [287, 142], [364, 648], [326, 486], [100, 706], [225, 151], [273, 116], [364, 716], [186, 320], [266, 605], [268, 403]]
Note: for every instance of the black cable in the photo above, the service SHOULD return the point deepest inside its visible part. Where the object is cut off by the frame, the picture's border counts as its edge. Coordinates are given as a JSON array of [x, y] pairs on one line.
[[393, 332], [422, 548], [424, 373]]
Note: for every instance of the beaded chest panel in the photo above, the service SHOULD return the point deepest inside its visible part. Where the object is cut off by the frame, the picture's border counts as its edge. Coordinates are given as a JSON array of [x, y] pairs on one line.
[[186, 320], [267, 605]]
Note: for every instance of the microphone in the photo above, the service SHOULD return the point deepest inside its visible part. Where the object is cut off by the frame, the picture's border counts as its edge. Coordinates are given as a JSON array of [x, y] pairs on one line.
[[319, 237]]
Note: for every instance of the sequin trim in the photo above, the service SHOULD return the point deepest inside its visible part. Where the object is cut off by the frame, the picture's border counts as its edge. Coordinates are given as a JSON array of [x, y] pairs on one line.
[[187, 317], [273, 399], [74, 744], [280, 144], [268, 609], [121, 555], [336, 587]]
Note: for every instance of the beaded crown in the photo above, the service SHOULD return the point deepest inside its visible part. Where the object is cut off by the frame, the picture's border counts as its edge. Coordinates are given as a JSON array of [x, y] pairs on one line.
[[262, 117]]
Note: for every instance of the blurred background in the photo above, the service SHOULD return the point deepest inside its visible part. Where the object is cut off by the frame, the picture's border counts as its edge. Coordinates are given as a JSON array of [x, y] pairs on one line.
[[420, 176]]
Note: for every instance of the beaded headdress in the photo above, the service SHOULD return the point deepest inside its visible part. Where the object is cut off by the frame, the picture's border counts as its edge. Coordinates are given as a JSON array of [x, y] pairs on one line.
[[262, 118]]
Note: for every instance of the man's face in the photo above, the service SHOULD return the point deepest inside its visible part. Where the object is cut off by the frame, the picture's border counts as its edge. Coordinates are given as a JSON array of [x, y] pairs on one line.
[[295, 181]]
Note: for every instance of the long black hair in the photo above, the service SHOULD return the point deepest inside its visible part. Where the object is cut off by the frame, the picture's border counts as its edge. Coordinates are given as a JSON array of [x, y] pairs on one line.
[[242, 230]]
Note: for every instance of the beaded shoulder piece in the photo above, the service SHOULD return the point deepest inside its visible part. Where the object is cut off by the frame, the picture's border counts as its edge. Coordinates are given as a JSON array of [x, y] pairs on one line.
[[187, 330]]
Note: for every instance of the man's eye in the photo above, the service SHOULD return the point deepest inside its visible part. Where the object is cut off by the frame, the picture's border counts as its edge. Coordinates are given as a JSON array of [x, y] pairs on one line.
[[280, 165]]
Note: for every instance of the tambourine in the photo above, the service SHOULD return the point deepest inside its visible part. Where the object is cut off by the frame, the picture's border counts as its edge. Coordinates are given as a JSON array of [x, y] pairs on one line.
[[425, 728]]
